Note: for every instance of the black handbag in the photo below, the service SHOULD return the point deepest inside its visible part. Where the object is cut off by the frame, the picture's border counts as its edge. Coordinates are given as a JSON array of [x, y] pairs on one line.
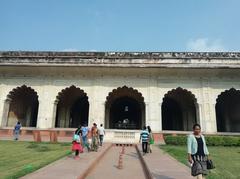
[[210, 165]]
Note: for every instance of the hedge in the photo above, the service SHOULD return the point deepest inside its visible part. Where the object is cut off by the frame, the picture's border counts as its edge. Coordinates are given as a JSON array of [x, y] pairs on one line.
[[210, 140]]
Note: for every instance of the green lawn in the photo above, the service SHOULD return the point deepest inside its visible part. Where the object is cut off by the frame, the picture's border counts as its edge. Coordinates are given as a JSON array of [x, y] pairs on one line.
[[19, 158], [226, 160]]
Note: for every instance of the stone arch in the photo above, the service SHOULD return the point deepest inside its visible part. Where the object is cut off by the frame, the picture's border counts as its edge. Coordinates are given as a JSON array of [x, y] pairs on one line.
[[228, 111], [72, 108], [124, 109], [179, 110], [22, 105]]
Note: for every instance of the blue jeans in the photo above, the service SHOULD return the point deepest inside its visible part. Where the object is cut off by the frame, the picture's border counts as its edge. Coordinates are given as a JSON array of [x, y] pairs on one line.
[[16, 134], [101, 139], [85, 141]]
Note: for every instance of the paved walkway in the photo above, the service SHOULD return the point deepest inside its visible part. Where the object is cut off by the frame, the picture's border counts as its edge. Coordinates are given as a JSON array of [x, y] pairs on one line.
[[163, 166], [160, 165], [68, 168]]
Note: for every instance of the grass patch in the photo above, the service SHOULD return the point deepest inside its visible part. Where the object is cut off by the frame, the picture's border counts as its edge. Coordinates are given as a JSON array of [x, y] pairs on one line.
[[66, 144], [226, 160], [20, 158], [32, 145], [43, 149]]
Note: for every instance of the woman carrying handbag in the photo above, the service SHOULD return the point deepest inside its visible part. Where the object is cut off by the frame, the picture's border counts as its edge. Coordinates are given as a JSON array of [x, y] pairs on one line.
[[198, 154]]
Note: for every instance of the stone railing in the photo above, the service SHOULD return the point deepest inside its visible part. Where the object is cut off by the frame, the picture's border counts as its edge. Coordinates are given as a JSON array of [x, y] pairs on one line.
[[122, 136]]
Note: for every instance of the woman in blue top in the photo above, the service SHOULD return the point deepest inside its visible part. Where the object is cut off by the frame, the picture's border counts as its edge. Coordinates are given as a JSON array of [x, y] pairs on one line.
[[197, 152]]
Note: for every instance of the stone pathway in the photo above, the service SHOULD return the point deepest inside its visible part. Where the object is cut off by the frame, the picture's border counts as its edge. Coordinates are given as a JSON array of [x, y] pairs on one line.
[[159, 164], [68, 167], [163, 166]]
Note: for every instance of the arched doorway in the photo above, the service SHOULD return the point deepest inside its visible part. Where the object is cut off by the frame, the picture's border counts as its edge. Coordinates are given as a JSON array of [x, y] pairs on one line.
[[179, 110], [22, 104], [124, 109], [72, 108], [228, 111]]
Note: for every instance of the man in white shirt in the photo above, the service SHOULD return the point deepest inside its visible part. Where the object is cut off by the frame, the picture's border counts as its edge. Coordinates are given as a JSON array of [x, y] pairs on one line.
[[101, 133]]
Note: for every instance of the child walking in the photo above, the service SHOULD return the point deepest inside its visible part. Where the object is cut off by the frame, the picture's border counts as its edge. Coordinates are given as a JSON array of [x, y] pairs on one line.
[[76, 144]]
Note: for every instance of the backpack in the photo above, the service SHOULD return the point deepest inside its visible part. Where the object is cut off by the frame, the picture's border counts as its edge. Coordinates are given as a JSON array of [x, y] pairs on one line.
[[76, 138]]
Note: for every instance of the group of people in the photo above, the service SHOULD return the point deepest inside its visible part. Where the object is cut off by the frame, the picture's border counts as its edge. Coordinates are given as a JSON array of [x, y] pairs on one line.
[[92, 138], [89, 138], [146, 137]]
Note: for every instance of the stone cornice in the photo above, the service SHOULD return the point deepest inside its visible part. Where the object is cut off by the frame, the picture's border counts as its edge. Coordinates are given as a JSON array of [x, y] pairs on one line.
[[122, 59]]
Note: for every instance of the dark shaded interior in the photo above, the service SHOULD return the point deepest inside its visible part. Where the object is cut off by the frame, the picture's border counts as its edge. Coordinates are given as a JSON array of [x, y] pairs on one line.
[[23, 107], [228, 111], [125, 113], [72, 108], [124, 109], [172, 115], [178, 110]]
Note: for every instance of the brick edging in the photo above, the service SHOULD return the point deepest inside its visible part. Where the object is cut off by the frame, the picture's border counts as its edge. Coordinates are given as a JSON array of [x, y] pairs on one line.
[[94, 163], [147, 171]]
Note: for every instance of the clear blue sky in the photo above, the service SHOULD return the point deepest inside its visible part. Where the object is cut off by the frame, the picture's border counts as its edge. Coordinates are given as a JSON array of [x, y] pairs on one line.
[[123, 25]]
